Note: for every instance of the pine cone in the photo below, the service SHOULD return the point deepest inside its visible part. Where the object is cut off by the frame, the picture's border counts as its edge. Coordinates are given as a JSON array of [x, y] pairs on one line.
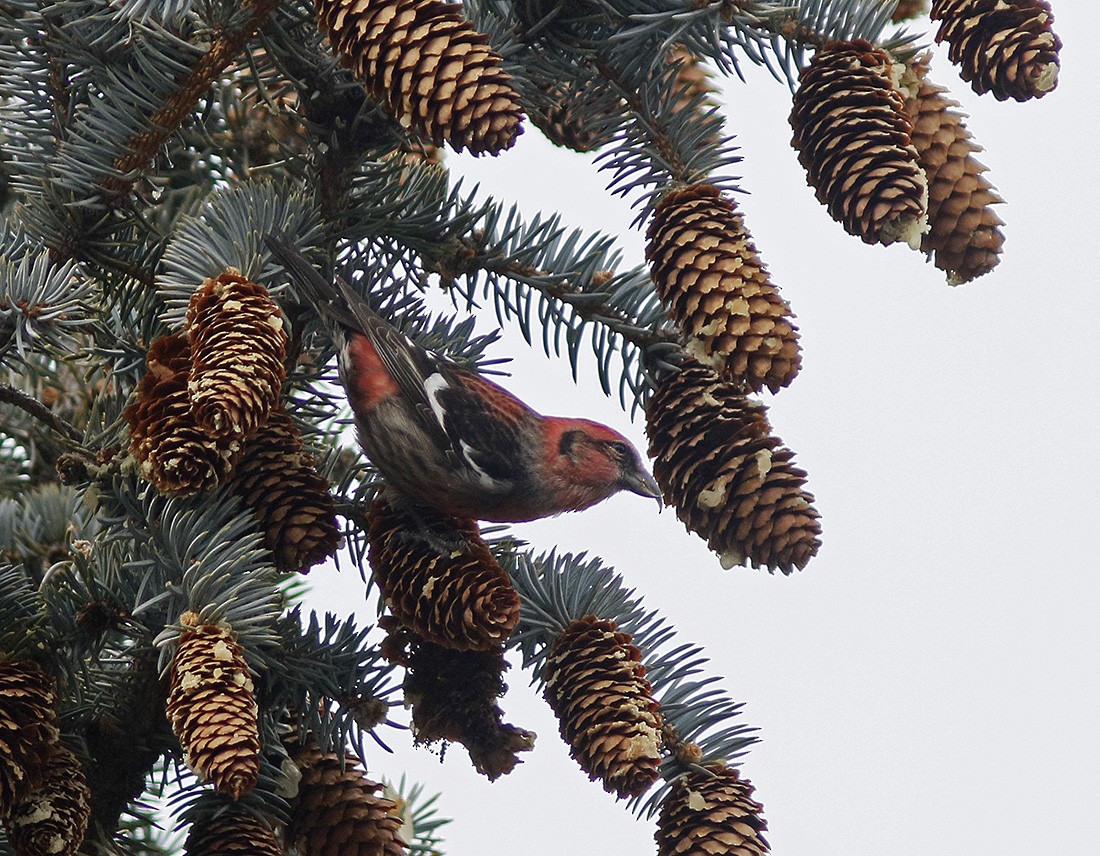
[[54, 817], [852, 136], [28, 727], [570, 112], [429, 68], [453, 698], [708, 812], [173, 452], [234, 832], [238, 347], [277, 479], [729, 479], [596, 686], [964, 235], [1006, 47], [907, 9], [211, 707], [337, 811], [717, 290], [439, 578], [694, 81]]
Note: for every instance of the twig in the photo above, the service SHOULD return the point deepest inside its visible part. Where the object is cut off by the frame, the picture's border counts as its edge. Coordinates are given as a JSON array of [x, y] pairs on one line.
[[39, 411]]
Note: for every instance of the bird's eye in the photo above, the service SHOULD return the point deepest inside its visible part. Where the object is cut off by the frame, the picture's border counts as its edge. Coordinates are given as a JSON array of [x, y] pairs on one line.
[[621, 450]]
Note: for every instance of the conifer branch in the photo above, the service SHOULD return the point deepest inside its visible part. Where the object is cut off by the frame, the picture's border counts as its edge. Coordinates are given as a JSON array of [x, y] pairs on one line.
[[39, 411]]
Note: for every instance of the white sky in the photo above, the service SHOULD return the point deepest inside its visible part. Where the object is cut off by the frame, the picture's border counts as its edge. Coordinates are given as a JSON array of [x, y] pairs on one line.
[[928, 683]]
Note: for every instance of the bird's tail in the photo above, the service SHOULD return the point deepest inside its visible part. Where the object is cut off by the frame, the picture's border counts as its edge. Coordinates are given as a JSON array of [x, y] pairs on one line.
[[331, 301]]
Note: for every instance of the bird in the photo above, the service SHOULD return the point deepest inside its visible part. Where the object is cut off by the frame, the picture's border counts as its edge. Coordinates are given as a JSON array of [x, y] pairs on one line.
[[442, 435]]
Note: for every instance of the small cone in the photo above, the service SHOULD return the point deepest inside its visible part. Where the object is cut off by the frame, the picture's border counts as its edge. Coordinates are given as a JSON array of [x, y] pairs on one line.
[[172, 451], [715, 287], [429, 68], [852, 136], [212, 709], [596, 686], [238, 347], [439, 579], [28, 727], [709, 812], [570, 113], [730, 481], [337, 811], [1006, 47], [964, 235], [453, 698], [908, 9], [277, 479], [53, 819], [236, 832]]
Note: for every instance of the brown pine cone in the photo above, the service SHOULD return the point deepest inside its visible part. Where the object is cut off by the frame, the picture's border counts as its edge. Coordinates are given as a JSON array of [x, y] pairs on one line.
[[852, 136], [172, 451], [439, 579], [729, 479], [28, 728], [212, 709], [717, 290], [338, 812], [53, 818], [964, 235], [1006, 47], [571, 117], [236, 832], [711, 811], [596, 686], [429, 68], [453, 696], [238, 347], [278, 480]]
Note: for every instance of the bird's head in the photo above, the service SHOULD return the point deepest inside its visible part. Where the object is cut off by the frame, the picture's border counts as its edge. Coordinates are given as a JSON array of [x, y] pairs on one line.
[[588, 462]]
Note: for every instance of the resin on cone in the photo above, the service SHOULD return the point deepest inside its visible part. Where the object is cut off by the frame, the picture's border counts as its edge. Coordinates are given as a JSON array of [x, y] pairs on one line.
[[53, 818], [710, 811], [852, 136], [715, 287], [212, 708], [1006, 47], [595, 684], [28, 728]]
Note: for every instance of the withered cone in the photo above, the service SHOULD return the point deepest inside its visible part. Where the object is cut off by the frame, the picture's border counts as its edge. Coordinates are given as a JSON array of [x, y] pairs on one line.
[[729, 479], [852, 136], [28, 728], [439, 579], [1006, 47], [237, 832], [338, 811], [238, 347], [964, 236], [53, 818], [711, 811], [429, 68], [212, 709], [596, 686], [277, 479], [717, 290]]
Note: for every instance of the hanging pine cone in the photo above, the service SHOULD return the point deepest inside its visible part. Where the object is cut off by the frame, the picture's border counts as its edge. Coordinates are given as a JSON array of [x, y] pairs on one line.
[[53, 818], [173, 452], [729, 479], [28, 727], [338, 812], [1006, 47], [238, 347], [569, 112], [964, 235], [717, 290], [596, 686], [233, 832], [278, 480], [711, 811], [852, 136], [211, 707], [429, 68], [453, 698], [908, 9], [439, 579]]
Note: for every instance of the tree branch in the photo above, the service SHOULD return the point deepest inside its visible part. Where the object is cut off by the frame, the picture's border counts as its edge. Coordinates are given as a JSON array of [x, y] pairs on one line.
[[39, 411]]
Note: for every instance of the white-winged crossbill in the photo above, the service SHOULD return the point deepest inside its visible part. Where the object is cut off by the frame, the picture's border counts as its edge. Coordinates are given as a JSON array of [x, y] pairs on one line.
[[446, 437]]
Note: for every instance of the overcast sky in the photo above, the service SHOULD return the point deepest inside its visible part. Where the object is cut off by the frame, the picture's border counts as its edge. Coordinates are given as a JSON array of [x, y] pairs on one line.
[[929, 683]]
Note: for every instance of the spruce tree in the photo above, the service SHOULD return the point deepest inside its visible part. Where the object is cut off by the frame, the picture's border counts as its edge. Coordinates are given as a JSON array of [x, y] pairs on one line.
[[174, 451]]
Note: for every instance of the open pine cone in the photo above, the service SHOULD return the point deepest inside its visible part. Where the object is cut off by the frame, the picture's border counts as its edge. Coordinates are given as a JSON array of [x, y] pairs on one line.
[[711, 811], [53, 818], [28, 728], [237, 832]]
